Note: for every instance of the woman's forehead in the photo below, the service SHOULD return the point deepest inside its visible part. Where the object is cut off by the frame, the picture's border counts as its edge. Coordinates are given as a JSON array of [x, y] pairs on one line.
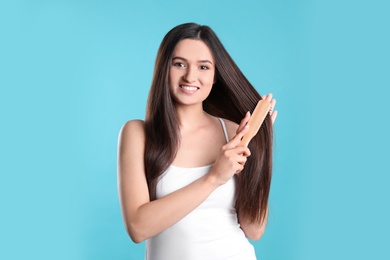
[[193, 50]]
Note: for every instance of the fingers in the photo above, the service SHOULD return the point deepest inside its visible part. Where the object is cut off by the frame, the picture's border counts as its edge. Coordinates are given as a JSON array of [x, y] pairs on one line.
[[273, 116], [273, 104], [243, 122], [273, 113], [239, 156], [267, 97], [237, 138], [243, 151]]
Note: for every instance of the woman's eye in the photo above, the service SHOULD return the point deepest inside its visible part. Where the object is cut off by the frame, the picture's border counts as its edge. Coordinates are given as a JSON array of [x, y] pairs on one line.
[[179, 64], [204, 67]]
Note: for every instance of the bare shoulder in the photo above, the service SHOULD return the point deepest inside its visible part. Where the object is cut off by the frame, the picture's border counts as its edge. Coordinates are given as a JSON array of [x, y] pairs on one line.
[[132, 133], [133, 128], [131, 147], [231, 128]]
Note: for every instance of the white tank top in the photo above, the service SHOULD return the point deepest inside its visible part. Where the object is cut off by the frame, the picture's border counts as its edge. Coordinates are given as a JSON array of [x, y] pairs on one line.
[[209, 232]]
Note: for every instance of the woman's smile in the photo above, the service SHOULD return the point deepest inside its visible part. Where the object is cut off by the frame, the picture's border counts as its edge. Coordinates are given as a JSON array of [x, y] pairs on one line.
[[191, 75], [188, 89]]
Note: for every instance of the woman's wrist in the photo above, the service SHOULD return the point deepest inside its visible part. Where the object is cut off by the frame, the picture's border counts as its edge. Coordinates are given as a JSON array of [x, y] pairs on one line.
[[212, 179]]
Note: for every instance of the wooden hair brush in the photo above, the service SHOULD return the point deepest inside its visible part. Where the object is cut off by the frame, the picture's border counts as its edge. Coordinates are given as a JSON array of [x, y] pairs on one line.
[[257, 118]]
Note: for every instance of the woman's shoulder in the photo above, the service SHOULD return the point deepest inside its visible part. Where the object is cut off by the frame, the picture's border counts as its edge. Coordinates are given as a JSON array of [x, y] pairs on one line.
[[135, 123], [133, 129]]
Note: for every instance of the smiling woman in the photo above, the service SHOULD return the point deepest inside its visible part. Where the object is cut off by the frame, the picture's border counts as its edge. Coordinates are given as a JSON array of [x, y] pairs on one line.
[[186, 184], [191, 75]]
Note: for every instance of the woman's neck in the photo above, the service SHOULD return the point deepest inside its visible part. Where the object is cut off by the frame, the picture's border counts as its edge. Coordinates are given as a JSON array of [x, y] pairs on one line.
[[191, 116]]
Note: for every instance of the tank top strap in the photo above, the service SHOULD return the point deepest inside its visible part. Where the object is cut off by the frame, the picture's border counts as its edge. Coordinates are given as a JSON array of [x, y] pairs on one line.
[[224, 129]]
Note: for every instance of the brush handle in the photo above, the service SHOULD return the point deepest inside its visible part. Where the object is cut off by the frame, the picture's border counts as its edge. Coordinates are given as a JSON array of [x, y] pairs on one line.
[[257, 118]]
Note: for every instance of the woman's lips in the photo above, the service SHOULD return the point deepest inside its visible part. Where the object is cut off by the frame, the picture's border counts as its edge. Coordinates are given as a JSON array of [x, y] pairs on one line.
[[189, 89]]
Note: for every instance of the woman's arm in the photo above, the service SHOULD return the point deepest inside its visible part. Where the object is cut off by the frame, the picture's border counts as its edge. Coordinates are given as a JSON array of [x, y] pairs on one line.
[[253, 230], [144, 218]]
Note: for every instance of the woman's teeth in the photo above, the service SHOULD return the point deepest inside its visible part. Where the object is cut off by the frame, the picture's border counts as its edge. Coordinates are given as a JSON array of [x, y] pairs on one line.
[[188, 87]]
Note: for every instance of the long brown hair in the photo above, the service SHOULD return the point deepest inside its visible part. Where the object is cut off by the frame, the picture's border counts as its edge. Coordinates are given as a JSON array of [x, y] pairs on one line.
[[231, 97]]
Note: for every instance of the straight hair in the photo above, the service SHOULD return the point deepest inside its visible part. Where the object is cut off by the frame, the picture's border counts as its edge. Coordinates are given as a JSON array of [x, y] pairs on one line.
[[232, 95]]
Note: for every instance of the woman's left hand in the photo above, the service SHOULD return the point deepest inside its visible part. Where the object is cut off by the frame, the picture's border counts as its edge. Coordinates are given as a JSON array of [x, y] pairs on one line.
[[273, 113]]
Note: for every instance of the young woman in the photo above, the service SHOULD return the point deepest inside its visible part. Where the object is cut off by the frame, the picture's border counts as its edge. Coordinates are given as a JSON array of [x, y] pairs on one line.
[[186, 186]]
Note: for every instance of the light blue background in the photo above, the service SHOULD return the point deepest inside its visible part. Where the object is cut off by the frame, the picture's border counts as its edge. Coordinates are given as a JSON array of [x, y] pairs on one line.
[[72, 72]]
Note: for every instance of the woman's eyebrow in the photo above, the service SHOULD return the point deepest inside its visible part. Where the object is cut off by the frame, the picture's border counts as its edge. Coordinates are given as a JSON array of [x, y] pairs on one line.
[[200, 61], [206, 61]]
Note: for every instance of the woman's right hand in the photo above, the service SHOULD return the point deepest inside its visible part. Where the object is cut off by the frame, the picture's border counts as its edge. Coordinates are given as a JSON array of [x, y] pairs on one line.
[[232, 158]]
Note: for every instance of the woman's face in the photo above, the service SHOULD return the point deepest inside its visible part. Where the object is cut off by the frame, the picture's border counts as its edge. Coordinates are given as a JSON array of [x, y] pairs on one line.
[[191, 74]]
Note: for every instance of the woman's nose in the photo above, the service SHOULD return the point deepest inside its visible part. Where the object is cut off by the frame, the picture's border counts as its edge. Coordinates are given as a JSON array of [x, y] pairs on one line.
[[190, 75]]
